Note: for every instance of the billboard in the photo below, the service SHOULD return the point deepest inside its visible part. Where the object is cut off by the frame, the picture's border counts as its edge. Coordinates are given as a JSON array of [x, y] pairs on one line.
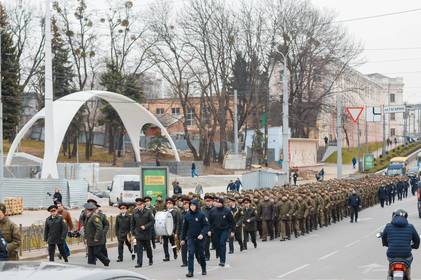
[[154, 182]]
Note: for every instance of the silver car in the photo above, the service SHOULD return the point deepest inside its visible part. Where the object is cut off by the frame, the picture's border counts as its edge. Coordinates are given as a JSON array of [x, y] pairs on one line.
[[50, 270]]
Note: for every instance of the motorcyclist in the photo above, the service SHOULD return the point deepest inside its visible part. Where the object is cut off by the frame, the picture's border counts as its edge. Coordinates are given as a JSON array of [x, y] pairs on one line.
[[400, 237]]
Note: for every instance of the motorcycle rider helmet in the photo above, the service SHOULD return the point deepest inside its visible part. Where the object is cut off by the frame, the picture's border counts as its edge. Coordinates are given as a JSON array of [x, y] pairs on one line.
[[400, 212]]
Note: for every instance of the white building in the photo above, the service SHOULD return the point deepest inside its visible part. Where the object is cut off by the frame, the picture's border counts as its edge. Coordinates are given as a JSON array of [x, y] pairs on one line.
[[393, 95]]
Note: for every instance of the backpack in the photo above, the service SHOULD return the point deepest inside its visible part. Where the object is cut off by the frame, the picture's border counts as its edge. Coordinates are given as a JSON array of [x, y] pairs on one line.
[[4, 254]]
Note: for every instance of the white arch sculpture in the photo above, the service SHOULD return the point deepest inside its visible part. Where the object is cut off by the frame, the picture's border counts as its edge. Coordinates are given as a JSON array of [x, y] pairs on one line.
[[133, 115]]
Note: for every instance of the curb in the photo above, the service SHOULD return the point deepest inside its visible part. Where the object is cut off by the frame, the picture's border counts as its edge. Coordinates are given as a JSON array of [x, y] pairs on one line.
[[45, 255]]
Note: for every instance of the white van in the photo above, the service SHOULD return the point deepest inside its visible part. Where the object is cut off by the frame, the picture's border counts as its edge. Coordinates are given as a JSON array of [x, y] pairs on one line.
[[124, 188]]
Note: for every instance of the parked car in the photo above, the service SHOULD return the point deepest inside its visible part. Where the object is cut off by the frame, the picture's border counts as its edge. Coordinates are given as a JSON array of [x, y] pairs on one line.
[[124, 188]]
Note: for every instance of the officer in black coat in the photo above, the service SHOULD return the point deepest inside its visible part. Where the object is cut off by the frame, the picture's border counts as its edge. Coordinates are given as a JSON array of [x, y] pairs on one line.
[[122, 229], [237, 214], [249, 223], [55, 232], [105, 227], [94, 235], [354, 202], [184, 212], [206, 209], [382, 194], [400, 189], [222, 225], [176, 216], [141, 224], [195, 228]]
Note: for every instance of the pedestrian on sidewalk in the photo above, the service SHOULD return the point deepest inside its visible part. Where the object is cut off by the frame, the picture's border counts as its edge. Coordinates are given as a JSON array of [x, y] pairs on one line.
[[354, 162], [194, 170], [177, 189], [57, 197], [295, 178], [11, 235], [237, 185], [198, 189], [55, 232], [68, 218]]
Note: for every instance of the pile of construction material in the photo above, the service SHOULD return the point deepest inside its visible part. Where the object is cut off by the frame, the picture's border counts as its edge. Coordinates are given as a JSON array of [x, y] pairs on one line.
[[14, 205]]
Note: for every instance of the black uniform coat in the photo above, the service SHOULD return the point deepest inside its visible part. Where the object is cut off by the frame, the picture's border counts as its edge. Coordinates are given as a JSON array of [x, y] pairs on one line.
[[55, 230], [142, 218], [249, 214], [122, 226]]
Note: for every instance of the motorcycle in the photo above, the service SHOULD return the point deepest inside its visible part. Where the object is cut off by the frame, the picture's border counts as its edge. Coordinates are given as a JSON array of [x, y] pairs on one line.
[[397, 267]]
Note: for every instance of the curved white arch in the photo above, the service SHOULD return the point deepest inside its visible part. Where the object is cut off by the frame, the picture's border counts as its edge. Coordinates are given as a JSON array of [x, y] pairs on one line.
[[133, 115]]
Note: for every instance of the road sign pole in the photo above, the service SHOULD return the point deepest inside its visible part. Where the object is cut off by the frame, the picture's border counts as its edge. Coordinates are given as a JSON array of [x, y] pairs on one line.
[[366, 133], [384, 132], [359, 146]]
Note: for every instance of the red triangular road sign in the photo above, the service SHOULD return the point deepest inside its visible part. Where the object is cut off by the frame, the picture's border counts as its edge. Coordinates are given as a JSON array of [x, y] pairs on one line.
[[355, 113]]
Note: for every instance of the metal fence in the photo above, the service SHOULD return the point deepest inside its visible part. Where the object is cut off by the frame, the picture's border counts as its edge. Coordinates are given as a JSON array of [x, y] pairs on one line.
[[263, 179], [37, 193]]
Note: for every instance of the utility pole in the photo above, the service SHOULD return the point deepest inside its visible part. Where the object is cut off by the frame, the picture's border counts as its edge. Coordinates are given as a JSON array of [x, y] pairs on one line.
[[285, 120], [405, 120], [1, 117], [235, 123], [339, 136], [384, 132]]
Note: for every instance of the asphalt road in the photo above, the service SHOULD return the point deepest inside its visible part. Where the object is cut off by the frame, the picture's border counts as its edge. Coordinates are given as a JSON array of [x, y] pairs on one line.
[[341, 251]]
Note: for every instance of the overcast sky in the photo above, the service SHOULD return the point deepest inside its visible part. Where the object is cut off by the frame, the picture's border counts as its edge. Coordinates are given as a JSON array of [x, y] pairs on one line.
[[397, 31]]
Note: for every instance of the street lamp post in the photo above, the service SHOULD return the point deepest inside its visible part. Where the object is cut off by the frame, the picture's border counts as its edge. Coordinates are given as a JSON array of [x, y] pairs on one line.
[[285, 115]]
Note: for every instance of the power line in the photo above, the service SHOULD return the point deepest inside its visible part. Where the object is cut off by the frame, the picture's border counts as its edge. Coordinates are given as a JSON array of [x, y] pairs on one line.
[[379, 15]]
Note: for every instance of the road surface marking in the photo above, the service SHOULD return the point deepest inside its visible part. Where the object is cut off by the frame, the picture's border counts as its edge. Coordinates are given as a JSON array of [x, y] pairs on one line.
[[328, 255], [292, 271], [352, 243], [373, 268]]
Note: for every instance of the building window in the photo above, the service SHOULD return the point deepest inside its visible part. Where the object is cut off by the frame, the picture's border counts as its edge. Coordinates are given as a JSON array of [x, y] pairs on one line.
[[190, 116], [392, 98], [392, 116], [159, 111], [392, 132], [175, 111]]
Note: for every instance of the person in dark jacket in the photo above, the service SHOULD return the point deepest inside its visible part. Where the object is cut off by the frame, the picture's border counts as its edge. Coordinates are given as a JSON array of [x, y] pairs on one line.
[[105, 227], [195, 228], [141, 224], [177, 189], [400, 237], [55, 232], [237, 184], [222, 225], [237, 214], [354, 203], [94, 235], [266, 213], [176, 216], [249, 223], [231, 186], [194, 170], [57, 196], [382, 194], [122, 229], [184, 212], [206, 209]]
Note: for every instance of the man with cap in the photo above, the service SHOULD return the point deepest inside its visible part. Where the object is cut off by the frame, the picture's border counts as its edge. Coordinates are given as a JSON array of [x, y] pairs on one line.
[[195, 228], [105, 227], [206, 209], [176, 216], [55, 232], [94, 235], [266, 213], [222, 224], [122, 229], [11, 235], [237, 214], [141, 224], [184, 212], [148, 205], [249, 223]]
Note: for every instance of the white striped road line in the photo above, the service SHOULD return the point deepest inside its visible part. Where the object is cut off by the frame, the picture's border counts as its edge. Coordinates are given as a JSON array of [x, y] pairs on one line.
[[294, 270], [352, 243], [328, 255]]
